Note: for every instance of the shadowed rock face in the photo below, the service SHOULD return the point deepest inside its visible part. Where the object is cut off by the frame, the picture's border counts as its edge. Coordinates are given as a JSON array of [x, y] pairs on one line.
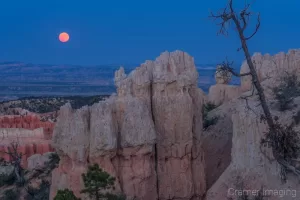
[[248, 163], [147, 136]]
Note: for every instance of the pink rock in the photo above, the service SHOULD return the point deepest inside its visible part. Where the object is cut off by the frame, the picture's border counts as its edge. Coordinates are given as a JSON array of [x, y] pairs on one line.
[[16, 124], [148, 136]]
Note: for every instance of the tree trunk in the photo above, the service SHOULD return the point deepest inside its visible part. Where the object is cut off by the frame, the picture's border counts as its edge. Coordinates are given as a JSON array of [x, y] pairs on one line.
[[254, 75], [18, 174], [97, 194], [260, 90]]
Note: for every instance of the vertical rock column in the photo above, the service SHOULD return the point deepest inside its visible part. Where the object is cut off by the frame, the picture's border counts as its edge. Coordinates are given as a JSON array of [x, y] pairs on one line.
[[123, 135], [147, 136], [71, 141], [178, 122]]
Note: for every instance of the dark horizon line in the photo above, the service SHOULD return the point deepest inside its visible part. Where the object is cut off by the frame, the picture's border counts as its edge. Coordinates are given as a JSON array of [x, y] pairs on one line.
[[95, 65]]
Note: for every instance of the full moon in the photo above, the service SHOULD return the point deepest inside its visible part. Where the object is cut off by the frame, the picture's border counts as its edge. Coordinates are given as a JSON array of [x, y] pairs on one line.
[[64, 37]]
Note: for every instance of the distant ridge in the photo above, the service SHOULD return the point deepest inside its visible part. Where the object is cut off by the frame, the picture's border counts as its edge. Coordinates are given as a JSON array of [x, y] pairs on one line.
[[19, 79]]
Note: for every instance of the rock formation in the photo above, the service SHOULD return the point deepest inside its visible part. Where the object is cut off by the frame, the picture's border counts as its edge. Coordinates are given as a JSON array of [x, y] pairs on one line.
[[250, 165], [38, 161], [32, 135], [217, 142], [147, 136], [222, 92], [29, 122], [270, 68]]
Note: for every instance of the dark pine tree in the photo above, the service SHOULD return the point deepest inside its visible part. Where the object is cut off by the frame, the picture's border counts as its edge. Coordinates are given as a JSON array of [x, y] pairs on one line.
[[65, 194], [97, 182]]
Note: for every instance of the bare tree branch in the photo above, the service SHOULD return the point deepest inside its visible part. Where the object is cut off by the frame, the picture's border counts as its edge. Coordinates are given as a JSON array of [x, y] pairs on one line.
[[222, 18], [244, 16], [256, 28], [227, 66], [240, 22], [283, 141], [16, 157]]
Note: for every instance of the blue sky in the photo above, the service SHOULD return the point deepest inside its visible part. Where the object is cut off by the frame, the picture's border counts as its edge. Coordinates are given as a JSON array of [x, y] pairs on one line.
[[132, 31]]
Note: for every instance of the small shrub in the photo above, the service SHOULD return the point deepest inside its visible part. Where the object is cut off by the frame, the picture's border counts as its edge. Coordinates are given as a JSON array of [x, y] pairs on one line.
[[109, 196], [41, 193], [239, 185], [208, 121], [65, 194], [285, 141], [80, 101], [7, 179], [2, 161], [286, 91], [297, 118], [209, 107], [53, 160], [260, 195], [10, 195], [285, 145], [96, 182]]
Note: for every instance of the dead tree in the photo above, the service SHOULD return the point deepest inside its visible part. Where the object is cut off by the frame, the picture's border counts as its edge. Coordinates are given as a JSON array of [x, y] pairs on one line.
[[277, 133], [241, 20], [16, 159]]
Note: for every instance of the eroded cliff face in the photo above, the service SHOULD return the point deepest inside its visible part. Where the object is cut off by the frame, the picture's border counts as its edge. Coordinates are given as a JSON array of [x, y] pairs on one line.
[[147, 136], [222, 92], [270, 68], [251, 164], [32, 135], [234, 156]]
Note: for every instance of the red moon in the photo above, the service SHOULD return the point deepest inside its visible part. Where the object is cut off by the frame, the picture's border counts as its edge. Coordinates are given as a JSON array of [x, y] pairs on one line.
[[64, 37]]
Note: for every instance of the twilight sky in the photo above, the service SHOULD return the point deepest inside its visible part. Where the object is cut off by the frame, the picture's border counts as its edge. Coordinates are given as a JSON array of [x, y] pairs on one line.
[[132, 31]]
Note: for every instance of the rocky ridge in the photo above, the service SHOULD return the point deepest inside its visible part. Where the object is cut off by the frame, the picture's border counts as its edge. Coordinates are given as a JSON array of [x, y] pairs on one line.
[[249, 163], [147, 135], [270, 68]]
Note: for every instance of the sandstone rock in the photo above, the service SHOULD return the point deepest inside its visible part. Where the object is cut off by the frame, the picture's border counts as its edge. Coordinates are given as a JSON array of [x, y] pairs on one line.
[[33, 135], [147, 136], [30, 142], [38, 161], [178, 120], [271, 67], [220, 93], [204, 97], [248, 163], [217, 142], [27, 122], [125, 124], [71, 134], [67, 175]]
